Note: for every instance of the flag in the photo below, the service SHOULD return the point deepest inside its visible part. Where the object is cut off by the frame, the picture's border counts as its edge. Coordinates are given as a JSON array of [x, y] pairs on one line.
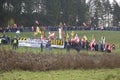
[[85, 38], [60, 33], [42, 36], [76, 38], [64, 24], [102, 39], [37, 22], [106, 47], [84, 24], [67, 37], [51, 35], [35, 33], [60, 24], [93, 37], [72, 33], [38, 30], [15, 26], [92, 43], [32, 28], [72, 39]]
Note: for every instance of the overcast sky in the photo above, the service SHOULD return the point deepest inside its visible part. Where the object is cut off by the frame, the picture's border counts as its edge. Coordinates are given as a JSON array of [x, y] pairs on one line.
[[111, 1], [116, 0]]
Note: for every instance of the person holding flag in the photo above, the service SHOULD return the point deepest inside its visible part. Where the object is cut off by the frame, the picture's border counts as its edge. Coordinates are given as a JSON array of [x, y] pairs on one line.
[[42, 39], [84, 24], [37, 29], [67, 37], [103, 40], [92, 42], [72, 34], [37, 22], [42, 36], [60, 30], [60, 33], [76, 38], [32, 28], [83, 41], [85, 38], [77, 43], [51, 35]]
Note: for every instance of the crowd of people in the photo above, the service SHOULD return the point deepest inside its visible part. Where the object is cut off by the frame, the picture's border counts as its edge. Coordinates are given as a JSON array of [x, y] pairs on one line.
[[55, 28], [4, 39], [73, 42], [78, 44]]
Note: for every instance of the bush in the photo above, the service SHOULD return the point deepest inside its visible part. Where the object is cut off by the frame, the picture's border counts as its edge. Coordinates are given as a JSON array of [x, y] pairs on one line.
[[10, 60]]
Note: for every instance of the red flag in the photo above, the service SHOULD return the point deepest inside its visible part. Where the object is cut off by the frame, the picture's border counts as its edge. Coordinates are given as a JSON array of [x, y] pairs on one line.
[[92, 43], [42, 36], [32, 28], [51, 35], [60, 33], [37, 22], [75, 39], [84, 24]]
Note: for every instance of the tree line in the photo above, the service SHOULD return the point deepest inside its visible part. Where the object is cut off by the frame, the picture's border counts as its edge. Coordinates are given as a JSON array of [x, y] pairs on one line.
[[52, 12]]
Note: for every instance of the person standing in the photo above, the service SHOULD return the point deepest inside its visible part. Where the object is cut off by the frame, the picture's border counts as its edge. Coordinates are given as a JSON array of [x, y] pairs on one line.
[[48, 45], [67, 47], [0, 41], [87, 45], [32, 29], [41, 46], [15, 43]]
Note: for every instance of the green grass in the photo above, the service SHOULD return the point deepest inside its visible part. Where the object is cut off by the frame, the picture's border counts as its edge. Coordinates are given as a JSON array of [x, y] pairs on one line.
[[111, 37], [94, 74]]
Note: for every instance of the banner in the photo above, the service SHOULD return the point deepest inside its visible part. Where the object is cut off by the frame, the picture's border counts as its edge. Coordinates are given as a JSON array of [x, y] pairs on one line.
[[37, 42], [31, 42], [57, 43]]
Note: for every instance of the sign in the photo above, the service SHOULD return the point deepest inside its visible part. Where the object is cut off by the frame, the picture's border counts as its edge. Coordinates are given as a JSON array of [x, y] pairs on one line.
[[32, 42], [37, 42], [57, 43]]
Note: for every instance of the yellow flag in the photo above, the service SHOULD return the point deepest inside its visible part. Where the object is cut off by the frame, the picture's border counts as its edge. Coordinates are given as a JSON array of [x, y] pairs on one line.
[[67, 36], [93, 37], [85, 38], [38, 30], [72, 33], [60, 24], [35, 33]]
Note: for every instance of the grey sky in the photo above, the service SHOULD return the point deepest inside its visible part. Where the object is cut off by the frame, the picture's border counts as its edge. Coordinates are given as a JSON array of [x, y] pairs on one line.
[[111, 1]]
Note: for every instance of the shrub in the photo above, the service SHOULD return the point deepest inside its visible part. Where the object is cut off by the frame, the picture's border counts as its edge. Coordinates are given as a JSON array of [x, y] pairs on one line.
[[29, 61]]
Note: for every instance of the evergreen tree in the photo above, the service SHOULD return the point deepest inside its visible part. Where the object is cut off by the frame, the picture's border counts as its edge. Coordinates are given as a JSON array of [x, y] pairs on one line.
[[116, 14]]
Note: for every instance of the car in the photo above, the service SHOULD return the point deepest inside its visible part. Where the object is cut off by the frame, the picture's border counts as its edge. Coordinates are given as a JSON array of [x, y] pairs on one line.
[[5, 40]]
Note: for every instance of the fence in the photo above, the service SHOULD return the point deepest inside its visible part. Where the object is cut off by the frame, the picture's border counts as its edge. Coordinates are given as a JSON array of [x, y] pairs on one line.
[[52, 28]]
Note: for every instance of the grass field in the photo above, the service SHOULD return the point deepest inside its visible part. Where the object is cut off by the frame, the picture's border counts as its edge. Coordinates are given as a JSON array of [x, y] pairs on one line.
[[95, 74], [80, 74], [111, 37]]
